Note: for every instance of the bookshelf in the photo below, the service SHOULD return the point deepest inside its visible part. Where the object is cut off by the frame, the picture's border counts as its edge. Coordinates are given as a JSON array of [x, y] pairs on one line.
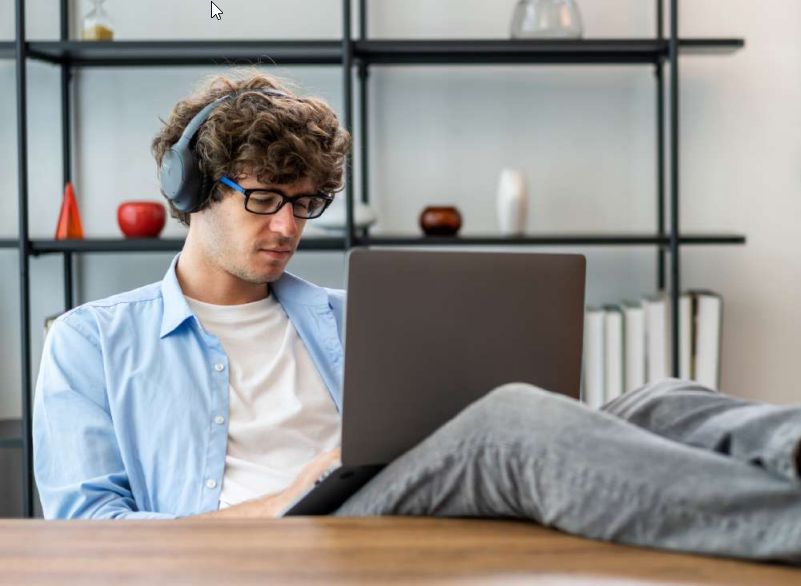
[[355, 54]]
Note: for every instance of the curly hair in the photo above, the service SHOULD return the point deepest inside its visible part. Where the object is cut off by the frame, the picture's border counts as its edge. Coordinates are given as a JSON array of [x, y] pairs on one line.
[[275, 138]]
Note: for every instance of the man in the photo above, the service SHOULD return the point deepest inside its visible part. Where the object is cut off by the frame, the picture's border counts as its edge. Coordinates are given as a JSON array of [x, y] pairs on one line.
[[217, 391]]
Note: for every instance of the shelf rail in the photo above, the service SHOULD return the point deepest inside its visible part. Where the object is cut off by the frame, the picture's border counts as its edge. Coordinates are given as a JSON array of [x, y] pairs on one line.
[[675, 280], [24, 258]]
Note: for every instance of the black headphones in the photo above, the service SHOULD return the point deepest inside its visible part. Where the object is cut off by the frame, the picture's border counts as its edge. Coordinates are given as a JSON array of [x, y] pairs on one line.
[[181, 179]]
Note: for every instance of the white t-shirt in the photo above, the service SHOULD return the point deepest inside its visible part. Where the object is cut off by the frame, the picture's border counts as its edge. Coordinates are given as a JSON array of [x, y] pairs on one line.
[[281, 415]]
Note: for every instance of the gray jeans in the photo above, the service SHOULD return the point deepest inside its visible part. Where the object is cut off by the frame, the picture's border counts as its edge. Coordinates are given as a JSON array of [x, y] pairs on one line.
[[671, 465]]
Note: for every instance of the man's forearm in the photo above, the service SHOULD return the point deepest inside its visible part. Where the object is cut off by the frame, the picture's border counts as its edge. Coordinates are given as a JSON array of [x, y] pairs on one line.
[[275, 505], [253, 509], [259, 508]]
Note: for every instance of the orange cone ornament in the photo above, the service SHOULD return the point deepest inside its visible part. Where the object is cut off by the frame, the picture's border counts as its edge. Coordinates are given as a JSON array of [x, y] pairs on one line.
[[69, 220]]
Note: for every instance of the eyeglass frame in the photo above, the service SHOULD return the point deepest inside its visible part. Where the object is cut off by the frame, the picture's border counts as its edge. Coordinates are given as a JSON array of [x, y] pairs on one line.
[[327, 197]]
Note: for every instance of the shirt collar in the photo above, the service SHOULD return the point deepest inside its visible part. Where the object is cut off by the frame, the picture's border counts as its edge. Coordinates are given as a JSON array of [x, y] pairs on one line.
[[176, 309], [288, 289]]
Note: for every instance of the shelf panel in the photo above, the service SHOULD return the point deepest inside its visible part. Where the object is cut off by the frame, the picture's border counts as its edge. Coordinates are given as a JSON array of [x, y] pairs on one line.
[[550, 240], [7, 50], [9, 243], [194, 52], [593, 51], [10, 442], [107, 245], [710, 46], [409, 52], [338, 243], [154, 245], [10, 433]]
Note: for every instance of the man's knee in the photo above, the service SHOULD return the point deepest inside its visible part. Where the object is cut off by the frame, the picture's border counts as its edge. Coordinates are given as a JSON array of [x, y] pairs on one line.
[[652, 394], [512, 395], [670, 385], [514, 407]]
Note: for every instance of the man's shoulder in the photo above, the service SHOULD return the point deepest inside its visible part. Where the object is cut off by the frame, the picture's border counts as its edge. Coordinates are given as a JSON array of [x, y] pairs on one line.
[[336, 294], [295, 289], [88, 316]]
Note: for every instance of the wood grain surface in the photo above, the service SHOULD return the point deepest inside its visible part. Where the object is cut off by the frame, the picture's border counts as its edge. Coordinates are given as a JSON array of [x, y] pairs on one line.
[[328, 550]]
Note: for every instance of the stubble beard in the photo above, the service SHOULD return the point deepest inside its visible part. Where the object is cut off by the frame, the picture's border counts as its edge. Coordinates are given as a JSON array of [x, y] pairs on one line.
[[243, 273], [235, 264], [226, 258]]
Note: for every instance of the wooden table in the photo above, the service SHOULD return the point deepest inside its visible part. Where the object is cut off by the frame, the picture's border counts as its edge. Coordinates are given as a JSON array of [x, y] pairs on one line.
[[326, 550]]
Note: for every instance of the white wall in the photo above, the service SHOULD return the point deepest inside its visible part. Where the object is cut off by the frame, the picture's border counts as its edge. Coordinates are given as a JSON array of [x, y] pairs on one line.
[[584, 136]]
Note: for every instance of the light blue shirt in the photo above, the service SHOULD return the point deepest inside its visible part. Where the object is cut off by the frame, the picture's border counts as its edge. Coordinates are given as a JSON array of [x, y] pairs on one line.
[[130, 416]]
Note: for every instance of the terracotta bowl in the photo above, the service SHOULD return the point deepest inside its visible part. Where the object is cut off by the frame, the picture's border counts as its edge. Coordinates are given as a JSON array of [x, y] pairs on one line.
[[141, 219], [440, 220]]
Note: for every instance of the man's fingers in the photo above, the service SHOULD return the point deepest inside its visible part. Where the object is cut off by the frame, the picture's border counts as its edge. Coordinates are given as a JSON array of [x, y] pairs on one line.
[[320, 464]]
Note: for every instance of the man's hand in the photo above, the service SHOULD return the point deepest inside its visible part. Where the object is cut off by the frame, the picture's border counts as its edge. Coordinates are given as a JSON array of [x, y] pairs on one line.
[[274, 505]]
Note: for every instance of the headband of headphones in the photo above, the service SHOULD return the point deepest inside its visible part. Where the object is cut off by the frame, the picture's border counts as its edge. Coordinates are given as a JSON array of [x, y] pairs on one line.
[[181, 180]]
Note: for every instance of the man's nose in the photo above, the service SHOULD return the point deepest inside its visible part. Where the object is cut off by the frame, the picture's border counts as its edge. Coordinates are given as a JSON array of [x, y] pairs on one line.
[[284, 222]]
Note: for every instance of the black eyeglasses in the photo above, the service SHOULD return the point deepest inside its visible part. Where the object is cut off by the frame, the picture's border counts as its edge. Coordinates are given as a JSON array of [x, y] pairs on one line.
[[266, 202]]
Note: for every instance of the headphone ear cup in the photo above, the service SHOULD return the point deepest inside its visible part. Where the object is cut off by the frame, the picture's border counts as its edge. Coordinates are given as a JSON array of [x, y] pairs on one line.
[[171, 173], [180, 178]]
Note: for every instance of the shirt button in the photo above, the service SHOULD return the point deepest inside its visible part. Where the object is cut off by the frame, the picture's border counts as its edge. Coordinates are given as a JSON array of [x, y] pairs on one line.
[[211, 483], [219, 420], [219, 366]]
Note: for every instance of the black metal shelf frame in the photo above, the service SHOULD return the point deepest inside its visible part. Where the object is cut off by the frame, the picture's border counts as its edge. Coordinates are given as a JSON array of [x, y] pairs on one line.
[[39, 247], [11, 433], [526, 52], [351, 55], [370, 52], [324, 243], [23, 245], [179, 53], [11, 442], [552, 240]]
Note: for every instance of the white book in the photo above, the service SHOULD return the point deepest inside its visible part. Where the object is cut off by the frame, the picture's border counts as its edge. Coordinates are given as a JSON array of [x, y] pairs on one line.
[[593, 383], [634, 345], [708, 332], [656, 333], [685, 336], [613, 352]]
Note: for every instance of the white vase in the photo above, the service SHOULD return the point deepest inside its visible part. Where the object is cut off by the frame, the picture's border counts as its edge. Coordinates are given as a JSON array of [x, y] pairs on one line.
[[512, 202]]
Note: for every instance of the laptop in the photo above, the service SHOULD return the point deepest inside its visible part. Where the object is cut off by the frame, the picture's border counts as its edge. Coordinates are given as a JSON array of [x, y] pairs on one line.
[[429, 332]]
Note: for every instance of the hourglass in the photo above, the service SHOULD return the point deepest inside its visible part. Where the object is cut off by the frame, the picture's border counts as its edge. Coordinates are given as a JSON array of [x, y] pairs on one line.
[[97, 24]]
